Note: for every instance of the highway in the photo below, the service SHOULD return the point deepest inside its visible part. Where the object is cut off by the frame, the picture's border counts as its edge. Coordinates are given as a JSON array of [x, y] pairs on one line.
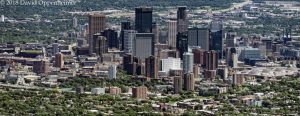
[[233, 6]]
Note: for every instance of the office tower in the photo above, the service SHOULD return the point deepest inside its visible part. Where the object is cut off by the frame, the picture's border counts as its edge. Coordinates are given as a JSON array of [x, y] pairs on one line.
[[198, 37], [100, 45], [198, 56], [177, 84], [188, 62], [182, 21], [211, 60], [2, 18], [111, 38], [151, 64], [112, 72], [41, 67], [172, 32], [139, 92], [170, 64], [196, 70], [155, 31], [59, 60], [238, 79], [97, 23], [189, 82], [124, 26], [129, 37], [216, 34], [230, 39], [143, 45], [127, 60], [55, 48], [182, 43], [75, 22], [233, 60], [143, 20]]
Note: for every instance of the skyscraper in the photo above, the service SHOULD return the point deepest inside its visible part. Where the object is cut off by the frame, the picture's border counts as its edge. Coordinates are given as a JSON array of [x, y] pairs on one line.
[[112, 72], [143, 45], [177, 84], [41, 67], [172, 32], [111, 37], [155, 31], [198, 37], [198, 56], [188, 62], [182, 43], [97, 23], [211, 60], [100, 45], [59, 60], [189, 82], [55, 48], [75, 22], [124, 26], [216, 34], [151, 64], [182, 21], [143, 19], [230, 39], [129, 37]]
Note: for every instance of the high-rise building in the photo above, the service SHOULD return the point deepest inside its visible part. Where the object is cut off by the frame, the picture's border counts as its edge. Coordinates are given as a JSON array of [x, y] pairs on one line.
[[55, 48], [100, 45], [111, 37], [112, 72], [196, 70], [211, 60], [155, 31], [139, 92], [143, 20], [41, 67], [59, 60], [182, 21], [97, 23], [124, 26], [129, 37], [198, 37], [216, 40], [230, 39], [172, 32], [151, 64], [189, 82], [199, 56], [182, 43], [177, 84], [170, 64], [188, 62], [2, 18], [143, 45], [75, 22]]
